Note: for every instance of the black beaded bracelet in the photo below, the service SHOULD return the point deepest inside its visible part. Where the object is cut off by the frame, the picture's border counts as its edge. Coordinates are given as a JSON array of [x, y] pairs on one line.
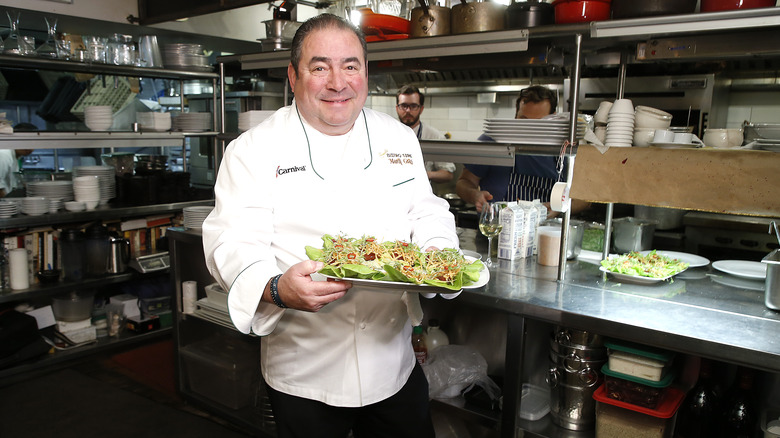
[[275, 292]]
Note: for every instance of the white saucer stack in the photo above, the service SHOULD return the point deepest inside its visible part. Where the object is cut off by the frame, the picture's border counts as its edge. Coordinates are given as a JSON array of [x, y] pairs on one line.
[[35, 205], [8, 209], [86, 189], [250, 119], [98, 117], [192, 122], [620, 124], [106, 177], [62, 190], [151, 121], [194, 216], [55, 205]]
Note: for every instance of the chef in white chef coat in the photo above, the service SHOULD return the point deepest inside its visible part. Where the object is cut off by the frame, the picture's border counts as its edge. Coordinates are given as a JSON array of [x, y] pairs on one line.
[[335, 356]]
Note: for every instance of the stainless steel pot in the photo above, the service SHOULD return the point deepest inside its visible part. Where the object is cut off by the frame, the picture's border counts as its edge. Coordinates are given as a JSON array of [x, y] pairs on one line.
[[477, 17], [632, 234], [430, 20], [531, 13]]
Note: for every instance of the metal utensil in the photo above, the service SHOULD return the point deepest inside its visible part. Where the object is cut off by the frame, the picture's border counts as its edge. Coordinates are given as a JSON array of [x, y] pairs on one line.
[[777, 233]]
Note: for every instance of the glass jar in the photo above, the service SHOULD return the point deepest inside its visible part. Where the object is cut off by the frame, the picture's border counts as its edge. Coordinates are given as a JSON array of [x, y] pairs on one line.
[[121, 50]]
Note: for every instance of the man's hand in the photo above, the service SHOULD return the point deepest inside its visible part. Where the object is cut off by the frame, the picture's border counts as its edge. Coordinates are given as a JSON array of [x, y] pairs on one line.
[[298, 291]]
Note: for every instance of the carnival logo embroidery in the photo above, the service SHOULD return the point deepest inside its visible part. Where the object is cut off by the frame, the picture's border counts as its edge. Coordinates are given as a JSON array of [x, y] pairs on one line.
[[280, 171], [400, 159]]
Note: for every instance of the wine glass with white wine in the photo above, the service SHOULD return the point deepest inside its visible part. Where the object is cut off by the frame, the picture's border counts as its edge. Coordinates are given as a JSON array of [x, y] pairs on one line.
[[490, 226]]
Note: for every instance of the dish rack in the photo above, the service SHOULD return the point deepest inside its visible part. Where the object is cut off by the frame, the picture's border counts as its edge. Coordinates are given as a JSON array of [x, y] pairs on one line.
[[116, 93]]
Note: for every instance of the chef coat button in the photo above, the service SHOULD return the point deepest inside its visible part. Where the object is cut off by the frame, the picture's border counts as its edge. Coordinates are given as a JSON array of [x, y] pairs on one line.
[[362, 326]]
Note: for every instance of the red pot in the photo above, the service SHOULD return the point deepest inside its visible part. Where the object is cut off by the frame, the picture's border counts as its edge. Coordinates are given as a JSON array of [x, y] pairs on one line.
[[581, 11], [728, 5]]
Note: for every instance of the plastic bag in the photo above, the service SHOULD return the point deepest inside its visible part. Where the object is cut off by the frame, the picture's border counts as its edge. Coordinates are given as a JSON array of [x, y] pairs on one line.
[[454, 369]]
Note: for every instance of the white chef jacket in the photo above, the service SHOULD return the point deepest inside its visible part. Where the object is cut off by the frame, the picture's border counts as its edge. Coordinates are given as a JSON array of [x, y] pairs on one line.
[[281, 187], [9, 164]]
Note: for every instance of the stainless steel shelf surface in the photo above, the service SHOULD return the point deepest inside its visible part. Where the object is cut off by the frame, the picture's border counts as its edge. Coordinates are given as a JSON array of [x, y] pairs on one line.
[[702, 312], [81, 140], [104, 212], [31, 62]]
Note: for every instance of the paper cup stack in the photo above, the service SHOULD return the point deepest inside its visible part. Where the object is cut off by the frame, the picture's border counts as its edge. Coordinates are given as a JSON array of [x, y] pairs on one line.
[[620, 124], [194, 216], [35, 205], [86, 189], [106, 178], [98, 117], [152, 121]]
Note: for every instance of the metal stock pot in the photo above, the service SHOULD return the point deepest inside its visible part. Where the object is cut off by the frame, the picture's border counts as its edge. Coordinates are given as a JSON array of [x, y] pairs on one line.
[[430, 20], [477, 17]]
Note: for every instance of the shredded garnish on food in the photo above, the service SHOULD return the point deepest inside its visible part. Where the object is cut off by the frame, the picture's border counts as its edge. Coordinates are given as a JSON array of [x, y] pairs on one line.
[[647, 265]]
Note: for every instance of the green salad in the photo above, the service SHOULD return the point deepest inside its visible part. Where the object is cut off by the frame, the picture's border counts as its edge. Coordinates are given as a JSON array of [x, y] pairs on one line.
[[647, 265], [397, 261]]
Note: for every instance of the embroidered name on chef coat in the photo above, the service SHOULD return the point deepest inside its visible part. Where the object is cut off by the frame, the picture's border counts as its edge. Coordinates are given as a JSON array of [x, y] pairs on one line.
[[399, 159], [280, 171]]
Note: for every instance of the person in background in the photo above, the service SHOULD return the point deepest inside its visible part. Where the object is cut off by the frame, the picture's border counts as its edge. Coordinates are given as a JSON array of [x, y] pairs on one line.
[[531, 177], [409, 104], [336, 357], [9, 165]]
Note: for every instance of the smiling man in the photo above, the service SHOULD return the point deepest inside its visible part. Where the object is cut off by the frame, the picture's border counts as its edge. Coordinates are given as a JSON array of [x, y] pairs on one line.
[[335, 357]]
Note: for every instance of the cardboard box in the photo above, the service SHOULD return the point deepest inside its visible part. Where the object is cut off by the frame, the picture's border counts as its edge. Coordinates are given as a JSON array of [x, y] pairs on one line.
[[129, 304], [140, 324]]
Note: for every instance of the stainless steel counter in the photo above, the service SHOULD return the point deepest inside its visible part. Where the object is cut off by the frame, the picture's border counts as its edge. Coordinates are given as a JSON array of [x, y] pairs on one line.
[[702, 312]]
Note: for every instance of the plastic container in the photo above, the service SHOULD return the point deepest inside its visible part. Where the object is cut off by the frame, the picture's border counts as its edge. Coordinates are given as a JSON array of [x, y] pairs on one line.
[[638, 360], [617, 419], [630, 389], [222, 369], [74, 307], [72, 245], [534, 402], [770, 423], [435, 336], [216, 295]]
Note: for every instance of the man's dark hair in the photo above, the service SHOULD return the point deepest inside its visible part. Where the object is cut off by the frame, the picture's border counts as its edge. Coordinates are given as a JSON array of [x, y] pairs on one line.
[[321, 22], [536, 94], [408, 90]]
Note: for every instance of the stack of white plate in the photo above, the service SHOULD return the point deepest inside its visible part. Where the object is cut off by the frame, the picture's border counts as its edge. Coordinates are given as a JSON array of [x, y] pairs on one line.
[[186, 57], [194, 216], [151, 121], [192, 122], [106, 178], [35, 205], [249, 119], [98, 117], [620, 124], [8, 209], [62, 190], [55, 205], [551, 131], [86, 189]]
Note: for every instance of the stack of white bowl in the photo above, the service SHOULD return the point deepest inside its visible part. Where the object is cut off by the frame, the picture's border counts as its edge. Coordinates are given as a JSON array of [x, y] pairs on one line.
[[98, 117], [35, 205], [620, 124], [194, 216], [86, 189], [152, 121], [646, 121], [192, 122], [249, 119], [106, 178]]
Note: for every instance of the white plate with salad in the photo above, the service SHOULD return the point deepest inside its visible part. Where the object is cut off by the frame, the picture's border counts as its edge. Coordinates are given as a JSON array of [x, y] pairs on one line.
[[484, 277], [639, 268], [693, 260]]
